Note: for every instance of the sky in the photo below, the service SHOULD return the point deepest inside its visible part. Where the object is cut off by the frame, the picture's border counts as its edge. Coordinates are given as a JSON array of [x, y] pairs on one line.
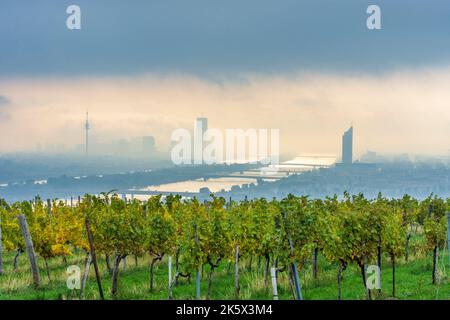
[[309, 68]]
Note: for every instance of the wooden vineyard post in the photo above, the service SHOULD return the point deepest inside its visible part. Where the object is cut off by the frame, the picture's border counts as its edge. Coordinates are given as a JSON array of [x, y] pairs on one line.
[[197, 283], [197, 271], [315, 256], [49, 206], [236, 273], [169, 265], [85, 274], [273, 274], [435, 250], [298, 289], [30, 249], [448, 235], [94, 258]]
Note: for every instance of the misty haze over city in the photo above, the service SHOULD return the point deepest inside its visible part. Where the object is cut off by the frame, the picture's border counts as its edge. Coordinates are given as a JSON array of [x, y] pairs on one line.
[[141, 80], [219, 156]]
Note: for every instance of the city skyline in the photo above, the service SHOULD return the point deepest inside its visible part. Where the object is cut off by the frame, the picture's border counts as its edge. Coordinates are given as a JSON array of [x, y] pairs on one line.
[[311, 121], [307, 77]]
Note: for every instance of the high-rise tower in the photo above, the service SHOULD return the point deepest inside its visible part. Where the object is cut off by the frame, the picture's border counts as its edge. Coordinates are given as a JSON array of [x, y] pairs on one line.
[[200, 127], [347, 146], [87, 127]]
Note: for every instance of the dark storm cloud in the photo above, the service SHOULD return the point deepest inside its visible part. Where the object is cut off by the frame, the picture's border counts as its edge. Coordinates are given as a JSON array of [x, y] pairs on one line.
[[220, 37]]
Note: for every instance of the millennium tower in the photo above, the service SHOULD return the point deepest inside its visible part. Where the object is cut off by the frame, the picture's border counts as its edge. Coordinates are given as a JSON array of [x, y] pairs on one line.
[[347, 146]]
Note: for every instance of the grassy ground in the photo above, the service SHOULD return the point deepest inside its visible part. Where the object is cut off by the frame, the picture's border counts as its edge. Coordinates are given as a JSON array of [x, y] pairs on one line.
[[413, 281]]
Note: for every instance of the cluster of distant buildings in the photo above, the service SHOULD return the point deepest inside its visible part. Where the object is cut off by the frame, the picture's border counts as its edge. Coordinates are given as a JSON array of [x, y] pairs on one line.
[[321, 176], [144, 146], [139, 147], [308, 174]]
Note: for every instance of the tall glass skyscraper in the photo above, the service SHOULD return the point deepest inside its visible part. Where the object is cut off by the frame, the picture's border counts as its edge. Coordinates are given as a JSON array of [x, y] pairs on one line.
[[201, 125], [347, 146]]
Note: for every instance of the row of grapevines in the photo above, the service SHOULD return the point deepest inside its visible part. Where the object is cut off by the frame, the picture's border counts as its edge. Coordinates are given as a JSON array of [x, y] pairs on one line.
[[347, 230]]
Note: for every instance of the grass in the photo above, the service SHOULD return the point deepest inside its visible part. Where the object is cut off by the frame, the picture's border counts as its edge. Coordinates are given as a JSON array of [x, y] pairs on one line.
[[413, 281]]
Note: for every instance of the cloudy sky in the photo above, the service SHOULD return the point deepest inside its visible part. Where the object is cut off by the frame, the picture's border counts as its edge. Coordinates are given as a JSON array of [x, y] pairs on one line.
[[309, 68]]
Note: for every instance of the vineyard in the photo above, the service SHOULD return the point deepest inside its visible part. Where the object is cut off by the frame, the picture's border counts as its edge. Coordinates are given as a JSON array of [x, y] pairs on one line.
[[294, 248]]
